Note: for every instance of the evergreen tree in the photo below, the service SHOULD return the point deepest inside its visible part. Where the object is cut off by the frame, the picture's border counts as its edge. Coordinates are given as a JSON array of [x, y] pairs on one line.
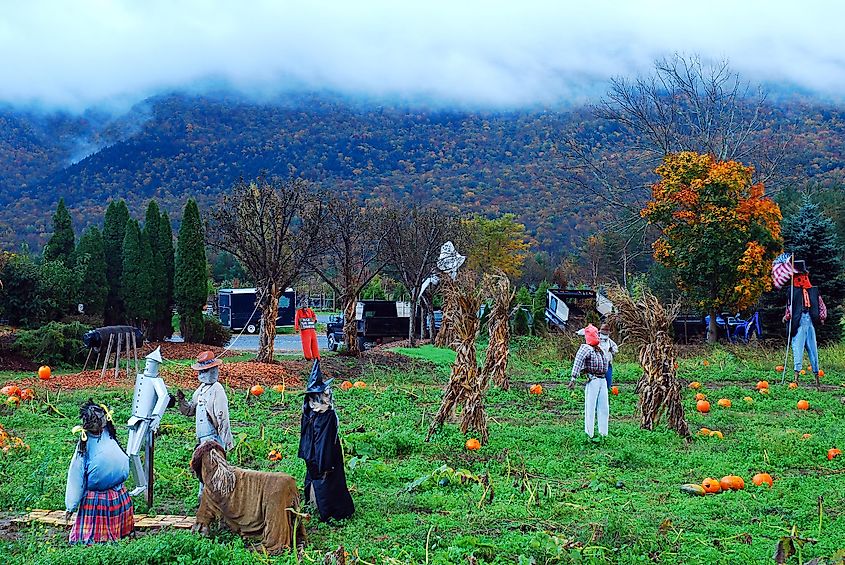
[[91, 263], [168, 255], [136, 286], [114, 232], [191, 279], [60, 245], [158, 274], [539, 310], [811, 236]]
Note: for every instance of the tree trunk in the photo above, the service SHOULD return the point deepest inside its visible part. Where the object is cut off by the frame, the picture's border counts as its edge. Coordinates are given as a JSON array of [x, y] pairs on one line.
[[415, 304], [446, 334], [269, 313], [350, 327], [712, 328]]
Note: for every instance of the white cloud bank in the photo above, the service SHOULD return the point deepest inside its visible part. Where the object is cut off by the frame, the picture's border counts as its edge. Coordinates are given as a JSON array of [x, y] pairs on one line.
[[75, 54]]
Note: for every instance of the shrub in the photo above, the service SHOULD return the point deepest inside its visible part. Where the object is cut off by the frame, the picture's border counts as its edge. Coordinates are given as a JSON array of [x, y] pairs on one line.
[[214, 332], [53, 344]]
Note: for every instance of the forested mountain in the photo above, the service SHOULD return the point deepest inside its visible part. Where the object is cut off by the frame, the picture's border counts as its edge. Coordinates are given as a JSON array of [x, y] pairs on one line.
[[175, 146]]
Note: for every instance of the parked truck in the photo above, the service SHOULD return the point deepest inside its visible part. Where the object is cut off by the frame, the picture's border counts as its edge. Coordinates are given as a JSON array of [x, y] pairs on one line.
[[237, 311], [377, 322], [563, 305]]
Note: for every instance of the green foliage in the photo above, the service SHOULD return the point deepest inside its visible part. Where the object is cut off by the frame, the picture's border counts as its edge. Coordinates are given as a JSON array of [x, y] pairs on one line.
[[214, 333], [19, 299], [136, 286], [61, 243], [91, 263], [190, 286], [540, 325], [56, 290], [227, 268], [168, 257], [159, 310], [497, 244], [114, 232], [53, 344], [374, 289], [811, 236]]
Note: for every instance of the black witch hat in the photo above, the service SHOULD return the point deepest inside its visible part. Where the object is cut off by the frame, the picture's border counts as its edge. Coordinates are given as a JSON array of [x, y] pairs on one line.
[[315, 381]]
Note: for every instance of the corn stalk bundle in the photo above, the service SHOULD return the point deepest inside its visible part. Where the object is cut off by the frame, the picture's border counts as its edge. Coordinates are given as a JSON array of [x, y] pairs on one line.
[[498, 327], [446, 334], [645, 322], [466, 384]]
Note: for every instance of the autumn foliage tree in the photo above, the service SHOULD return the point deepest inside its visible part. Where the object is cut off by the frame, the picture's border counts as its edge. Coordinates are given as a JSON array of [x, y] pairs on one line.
[[719, 232]]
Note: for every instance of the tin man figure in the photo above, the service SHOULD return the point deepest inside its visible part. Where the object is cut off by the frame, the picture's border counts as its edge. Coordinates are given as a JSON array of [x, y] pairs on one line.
[[149, 402]]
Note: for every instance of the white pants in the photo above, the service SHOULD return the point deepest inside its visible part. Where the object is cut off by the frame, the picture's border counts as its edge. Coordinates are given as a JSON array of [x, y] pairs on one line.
[[595, 400]]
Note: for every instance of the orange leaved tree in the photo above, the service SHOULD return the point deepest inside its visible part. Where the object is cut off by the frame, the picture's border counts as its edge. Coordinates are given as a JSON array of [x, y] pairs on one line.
[[719, 232]]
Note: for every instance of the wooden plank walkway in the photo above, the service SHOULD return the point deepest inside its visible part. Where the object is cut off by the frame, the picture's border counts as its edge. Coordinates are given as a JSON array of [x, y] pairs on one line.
[[142, 521]]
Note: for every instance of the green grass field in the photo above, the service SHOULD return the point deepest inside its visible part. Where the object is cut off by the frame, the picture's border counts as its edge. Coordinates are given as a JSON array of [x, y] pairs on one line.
[[555, 497]]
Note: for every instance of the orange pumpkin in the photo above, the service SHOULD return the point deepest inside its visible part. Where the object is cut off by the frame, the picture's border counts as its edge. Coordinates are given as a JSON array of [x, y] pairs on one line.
[[711, 486], [762, 384], [13, 400], [764, 391], [803, 405], [44, 372], [256, 390], [833, 452], [732, 482], [473, 444], [806, 436], [614, 390], [748, 400], [360, 384], [345, 385], [793, 385], [821, 373], [704, 432], [761, 478], [802, 372], [536, 389], [274, 455], [718, 434], [702, 406], [10, 390], [779, 368], [279, 388], [705, 362], [724, 403], [27, 394], [695, 385], [700, 396]]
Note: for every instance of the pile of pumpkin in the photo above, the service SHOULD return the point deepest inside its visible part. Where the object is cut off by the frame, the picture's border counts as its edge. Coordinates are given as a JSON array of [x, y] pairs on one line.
[[729, 482], [346, 385], [9, 442], [13, 393]]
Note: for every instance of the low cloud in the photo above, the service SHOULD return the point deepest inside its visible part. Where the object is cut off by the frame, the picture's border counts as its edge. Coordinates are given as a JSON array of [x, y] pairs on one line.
[[498, 54]]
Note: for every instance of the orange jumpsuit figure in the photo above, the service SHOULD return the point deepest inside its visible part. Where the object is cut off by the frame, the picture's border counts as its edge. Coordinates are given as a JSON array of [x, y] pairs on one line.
[[305, 322]]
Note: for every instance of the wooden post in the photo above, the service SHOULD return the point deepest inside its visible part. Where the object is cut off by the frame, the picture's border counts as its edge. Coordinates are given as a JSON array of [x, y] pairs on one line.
[[117, 355], [106, 360], [135, 350], [88, 358]]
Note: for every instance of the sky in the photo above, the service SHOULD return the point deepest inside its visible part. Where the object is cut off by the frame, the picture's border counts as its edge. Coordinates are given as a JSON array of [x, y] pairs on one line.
[[509, 53]]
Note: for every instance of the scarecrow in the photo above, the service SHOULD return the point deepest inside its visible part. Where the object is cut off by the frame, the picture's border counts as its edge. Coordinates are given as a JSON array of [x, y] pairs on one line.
[[209, 404], [804, 309], [149, 401], [98, 469], [591, 361], [319, 446], [305, 323]]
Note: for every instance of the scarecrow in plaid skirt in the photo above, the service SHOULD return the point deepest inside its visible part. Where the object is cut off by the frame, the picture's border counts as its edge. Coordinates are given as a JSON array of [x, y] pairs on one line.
[[95, 480]]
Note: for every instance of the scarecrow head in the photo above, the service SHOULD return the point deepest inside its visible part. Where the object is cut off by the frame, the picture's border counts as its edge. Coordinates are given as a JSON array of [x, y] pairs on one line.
[[591, 335], [208, 367]]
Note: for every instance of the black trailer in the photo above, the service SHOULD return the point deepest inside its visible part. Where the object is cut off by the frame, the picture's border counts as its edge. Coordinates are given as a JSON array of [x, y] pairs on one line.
[[237, 309], [377, 322]]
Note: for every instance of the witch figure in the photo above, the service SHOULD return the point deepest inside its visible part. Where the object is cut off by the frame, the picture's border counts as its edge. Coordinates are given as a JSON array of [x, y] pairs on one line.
[[319, 446]]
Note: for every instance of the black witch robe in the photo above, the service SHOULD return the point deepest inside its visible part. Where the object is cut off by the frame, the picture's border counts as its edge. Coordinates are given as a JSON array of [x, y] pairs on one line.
[[319, 446]]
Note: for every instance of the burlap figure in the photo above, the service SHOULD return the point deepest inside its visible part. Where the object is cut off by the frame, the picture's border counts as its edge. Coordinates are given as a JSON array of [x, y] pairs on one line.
[[646, 323], [250, 503]]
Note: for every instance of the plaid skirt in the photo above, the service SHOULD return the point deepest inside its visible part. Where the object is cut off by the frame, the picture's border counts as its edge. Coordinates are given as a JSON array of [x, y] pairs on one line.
[[104, 515]]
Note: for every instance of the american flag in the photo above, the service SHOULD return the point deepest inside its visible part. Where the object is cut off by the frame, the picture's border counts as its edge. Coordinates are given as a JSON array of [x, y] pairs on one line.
[[782, 269]]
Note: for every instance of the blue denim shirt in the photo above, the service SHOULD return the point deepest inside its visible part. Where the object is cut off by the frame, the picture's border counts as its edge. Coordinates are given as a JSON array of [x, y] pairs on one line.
[[108, 467]]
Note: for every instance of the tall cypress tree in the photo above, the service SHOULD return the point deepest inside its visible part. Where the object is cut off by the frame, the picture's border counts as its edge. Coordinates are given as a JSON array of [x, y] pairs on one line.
[[60, 246], [191, 280], [114, 232], [168, 254], [811, 236], [158, 274], [91, 261], [136, 285]]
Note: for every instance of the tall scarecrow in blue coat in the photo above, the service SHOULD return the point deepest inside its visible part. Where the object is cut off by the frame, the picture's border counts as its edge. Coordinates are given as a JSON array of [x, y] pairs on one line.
[[319, 446]]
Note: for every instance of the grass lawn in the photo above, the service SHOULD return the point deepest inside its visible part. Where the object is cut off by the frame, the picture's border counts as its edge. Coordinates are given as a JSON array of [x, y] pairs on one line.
[[556, 498]]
